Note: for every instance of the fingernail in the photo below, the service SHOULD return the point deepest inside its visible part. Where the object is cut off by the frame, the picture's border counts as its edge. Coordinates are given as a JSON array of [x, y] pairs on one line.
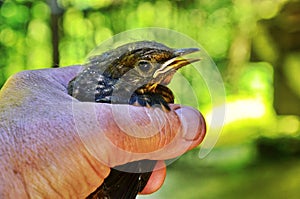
[[190, 119]]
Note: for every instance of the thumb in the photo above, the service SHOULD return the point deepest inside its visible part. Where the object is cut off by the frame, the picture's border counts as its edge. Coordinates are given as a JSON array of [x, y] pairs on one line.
[[118, 134]]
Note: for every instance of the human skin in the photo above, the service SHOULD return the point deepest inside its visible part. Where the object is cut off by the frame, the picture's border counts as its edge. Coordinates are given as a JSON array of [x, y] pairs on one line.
[[51, 146]]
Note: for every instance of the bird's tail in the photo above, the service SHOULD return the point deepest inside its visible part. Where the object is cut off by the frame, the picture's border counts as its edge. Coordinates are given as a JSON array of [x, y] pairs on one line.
[[125, 185]]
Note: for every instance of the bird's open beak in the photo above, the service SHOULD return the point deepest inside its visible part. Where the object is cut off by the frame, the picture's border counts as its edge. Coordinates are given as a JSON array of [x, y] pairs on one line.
[[177, 61]]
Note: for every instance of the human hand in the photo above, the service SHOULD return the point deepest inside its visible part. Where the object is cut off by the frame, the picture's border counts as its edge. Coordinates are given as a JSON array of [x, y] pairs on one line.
[[51, 145]]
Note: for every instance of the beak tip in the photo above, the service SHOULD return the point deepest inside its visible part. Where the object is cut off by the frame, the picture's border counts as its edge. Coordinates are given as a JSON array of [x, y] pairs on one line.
[[185, 51]]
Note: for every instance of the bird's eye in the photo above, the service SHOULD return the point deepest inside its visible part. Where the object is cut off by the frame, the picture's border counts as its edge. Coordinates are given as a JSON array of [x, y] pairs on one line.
[[144, 66]]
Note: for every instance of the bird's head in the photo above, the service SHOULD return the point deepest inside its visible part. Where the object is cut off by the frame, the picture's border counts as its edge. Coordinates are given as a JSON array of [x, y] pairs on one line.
[[120, 72], [145, 62]]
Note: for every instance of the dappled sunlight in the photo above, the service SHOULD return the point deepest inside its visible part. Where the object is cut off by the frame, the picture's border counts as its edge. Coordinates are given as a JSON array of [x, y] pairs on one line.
[[239, 110], [288, 125]]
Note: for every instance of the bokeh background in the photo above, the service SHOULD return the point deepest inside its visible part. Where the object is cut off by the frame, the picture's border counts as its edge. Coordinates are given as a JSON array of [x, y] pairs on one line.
[[254, 43]]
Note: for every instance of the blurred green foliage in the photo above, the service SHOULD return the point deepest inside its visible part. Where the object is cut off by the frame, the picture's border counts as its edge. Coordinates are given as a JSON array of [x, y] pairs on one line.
[[255, 45]]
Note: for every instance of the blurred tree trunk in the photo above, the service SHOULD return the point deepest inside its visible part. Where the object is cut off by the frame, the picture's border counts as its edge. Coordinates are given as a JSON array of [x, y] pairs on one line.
[[56, 14], [285, 30]]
